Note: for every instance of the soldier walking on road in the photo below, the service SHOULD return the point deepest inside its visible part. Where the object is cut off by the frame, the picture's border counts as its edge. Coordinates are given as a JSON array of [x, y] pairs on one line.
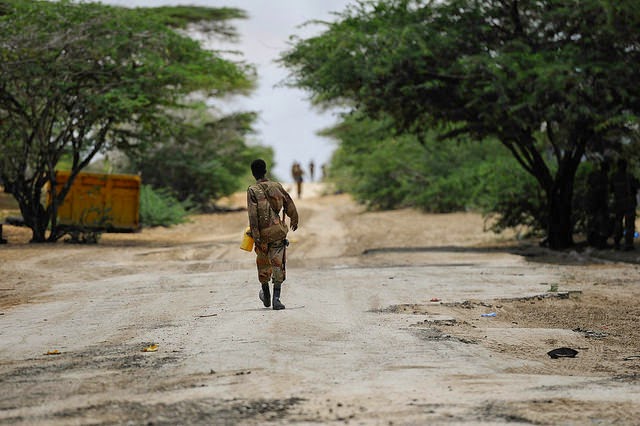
[[296, 173], [624, 187], [265, 200]]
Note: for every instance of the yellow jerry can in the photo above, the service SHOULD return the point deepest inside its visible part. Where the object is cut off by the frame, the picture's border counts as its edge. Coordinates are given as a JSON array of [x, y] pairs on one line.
[[247, 240]]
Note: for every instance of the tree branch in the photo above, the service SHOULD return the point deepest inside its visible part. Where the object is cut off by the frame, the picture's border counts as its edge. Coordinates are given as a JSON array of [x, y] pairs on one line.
[[552, 141]]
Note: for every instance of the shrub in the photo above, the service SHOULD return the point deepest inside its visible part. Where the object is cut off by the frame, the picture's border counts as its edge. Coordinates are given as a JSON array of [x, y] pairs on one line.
[[159, 208]]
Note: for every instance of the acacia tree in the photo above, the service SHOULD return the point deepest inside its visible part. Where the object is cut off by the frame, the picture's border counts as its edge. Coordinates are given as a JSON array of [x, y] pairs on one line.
[[550, 79], [201, 158], [79, 78]]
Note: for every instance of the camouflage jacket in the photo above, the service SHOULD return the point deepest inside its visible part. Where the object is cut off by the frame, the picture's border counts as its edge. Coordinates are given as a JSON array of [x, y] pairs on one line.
[[265, 201]]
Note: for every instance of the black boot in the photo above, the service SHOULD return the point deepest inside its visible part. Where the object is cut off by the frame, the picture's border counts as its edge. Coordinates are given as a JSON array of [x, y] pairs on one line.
[[265, 295], [277, 305]]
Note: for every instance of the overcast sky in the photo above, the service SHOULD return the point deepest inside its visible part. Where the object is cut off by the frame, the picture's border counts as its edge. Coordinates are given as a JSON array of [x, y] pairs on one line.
[[287, 121]]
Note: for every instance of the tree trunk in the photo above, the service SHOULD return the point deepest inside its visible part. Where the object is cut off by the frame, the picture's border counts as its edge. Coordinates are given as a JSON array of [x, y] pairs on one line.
[[36, 218], [559, 199], [559, 190]]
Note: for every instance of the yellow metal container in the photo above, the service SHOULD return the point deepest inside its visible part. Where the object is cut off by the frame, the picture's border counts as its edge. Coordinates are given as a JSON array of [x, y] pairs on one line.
[[247, 240], [100, 202]]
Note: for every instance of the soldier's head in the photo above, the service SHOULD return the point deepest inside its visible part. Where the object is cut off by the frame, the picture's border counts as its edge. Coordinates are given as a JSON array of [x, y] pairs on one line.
[[258, 168]]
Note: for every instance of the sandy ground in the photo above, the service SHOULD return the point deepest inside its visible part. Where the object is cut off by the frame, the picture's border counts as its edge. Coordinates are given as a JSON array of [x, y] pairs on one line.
[[384, 325]]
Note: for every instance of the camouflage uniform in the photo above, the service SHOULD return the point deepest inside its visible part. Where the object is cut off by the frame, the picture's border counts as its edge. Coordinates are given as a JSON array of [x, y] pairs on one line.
[[265, 200], [297, 172]]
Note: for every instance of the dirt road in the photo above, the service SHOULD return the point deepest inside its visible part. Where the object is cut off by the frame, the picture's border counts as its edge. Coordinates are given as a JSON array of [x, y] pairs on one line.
[[383, 325]]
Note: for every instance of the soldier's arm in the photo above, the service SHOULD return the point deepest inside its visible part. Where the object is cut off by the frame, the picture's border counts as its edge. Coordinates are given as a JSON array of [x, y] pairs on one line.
[[289, 208], [252, 208]]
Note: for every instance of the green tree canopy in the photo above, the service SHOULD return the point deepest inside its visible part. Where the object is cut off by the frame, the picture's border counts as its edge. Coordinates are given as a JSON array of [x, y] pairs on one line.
[[205, 19], [201, 157], [551, 80], [79, 78], [385, 170]]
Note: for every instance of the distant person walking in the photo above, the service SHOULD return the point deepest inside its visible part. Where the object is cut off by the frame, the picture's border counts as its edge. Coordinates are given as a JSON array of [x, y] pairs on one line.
[[265, 200], [624, 187], [296, 173], [312, 168]]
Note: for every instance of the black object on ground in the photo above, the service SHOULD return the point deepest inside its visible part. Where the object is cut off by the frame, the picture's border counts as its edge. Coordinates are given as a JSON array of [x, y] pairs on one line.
[[562, 353]]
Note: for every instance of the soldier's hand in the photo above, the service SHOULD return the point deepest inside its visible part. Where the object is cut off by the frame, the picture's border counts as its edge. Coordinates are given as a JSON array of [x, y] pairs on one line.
[[263, 247], [294, 226]]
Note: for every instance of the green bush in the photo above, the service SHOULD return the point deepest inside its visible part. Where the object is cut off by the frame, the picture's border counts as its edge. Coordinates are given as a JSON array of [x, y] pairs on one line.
[[202, 161], [160, 208], [508, 196], [384, 170]]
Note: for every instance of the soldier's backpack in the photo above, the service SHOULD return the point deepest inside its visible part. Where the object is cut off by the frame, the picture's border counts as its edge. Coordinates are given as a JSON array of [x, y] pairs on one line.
[[272, 227]]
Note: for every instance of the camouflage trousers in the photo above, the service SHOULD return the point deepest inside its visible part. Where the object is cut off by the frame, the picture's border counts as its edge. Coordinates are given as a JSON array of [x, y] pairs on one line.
[[272, 263]]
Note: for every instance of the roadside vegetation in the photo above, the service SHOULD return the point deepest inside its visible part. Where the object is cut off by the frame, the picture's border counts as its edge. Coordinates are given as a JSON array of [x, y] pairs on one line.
[[502, 107], [83, 80], [385, 171], [547, 87], [160, 208]]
